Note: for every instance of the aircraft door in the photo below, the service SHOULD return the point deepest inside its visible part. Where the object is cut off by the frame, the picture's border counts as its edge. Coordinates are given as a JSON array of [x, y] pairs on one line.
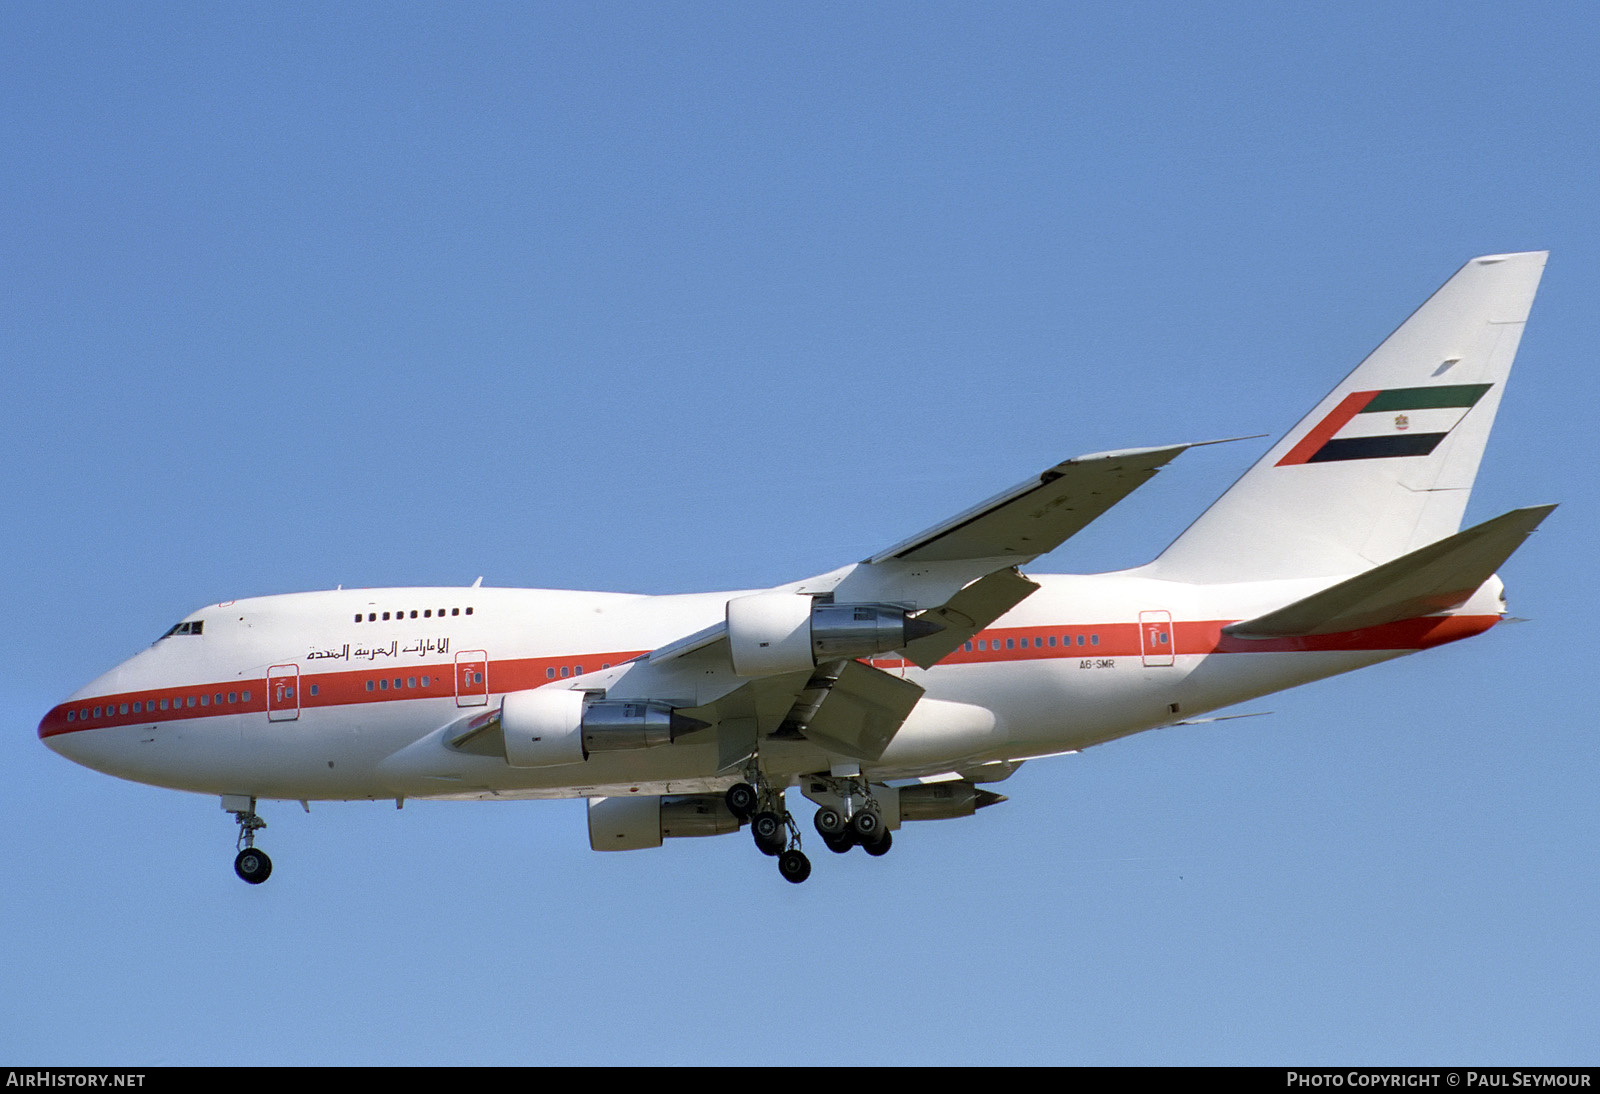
[[283, 693], [472, 678], [1155, 638]]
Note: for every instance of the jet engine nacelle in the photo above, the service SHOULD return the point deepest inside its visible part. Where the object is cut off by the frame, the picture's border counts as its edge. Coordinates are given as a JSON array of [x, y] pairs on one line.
[[941, 801], [790, 632], [545, 727], [629, 824]]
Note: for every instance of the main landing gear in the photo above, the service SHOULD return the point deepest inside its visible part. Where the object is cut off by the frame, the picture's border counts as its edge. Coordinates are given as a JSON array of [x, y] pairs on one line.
[[250, 864], [848, 816], [771, 824]]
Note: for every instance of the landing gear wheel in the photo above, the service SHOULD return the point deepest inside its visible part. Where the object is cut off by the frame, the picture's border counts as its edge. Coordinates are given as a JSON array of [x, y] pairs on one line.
[[839, 845], [881, 847], [741, 799], [769, 832], [252, 865], [866, 825], [829, 824], [794, 866]]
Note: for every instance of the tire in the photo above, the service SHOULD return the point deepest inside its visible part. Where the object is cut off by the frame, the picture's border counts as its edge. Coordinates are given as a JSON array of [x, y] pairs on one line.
[[252, 865], [794, 866], [769, 832], [828, 823], [881, 847], [741, 800], [866, 825]]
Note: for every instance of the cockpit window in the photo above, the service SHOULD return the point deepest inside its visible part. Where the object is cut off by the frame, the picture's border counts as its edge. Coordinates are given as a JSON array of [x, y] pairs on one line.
[[191, 627]]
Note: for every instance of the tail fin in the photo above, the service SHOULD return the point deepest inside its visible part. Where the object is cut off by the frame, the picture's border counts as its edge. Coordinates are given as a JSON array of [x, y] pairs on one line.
[[1385, 463]]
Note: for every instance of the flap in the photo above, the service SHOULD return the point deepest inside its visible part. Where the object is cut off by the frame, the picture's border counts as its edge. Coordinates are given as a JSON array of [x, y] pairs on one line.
[[967, 613], [861, 710]]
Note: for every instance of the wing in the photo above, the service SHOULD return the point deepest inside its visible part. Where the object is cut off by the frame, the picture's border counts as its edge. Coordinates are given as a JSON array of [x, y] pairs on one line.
[[790, 662], [1036, 516]]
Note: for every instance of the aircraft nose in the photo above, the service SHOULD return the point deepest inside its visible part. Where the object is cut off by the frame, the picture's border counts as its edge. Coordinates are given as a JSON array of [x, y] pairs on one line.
[[53, 731]]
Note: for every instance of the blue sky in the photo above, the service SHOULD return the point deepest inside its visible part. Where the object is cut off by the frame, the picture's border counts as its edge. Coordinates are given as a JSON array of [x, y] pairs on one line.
[[676, 297]]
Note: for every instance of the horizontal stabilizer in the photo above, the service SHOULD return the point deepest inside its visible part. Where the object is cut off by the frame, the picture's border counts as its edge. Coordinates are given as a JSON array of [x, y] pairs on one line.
[[1431, 579]]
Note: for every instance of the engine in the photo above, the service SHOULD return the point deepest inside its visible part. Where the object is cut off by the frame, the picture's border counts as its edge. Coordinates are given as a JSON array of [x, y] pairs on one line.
[[788, 632], [628, 824], [547, 727], [941, 801]]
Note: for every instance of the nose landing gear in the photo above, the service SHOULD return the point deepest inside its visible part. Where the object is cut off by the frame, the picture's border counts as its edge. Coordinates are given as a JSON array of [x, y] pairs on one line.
[[250, 864]]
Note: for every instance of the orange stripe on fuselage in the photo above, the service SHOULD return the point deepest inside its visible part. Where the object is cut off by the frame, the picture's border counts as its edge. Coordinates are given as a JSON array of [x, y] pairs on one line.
[[349, 688]]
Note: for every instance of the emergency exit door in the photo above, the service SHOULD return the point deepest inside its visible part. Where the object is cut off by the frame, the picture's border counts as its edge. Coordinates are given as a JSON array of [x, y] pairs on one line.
[[1155, 638], [472, 678], [283, 693]]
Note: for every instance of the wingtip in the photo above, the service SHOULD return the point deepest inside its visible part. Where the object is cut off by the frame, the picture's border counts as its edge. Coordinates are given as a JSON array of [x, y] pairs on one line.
[[1489, 260]]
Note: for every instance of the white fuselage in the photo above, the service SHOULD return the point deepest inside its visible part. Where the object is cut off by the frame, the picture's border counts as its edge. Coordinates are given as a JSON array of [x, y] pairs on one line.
[[351, 694]]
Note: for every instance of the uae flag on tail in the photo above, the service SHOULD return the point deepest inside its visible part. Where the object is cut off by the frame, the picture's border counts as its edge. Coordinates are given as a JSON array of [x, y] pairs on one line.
[[1376, 425]]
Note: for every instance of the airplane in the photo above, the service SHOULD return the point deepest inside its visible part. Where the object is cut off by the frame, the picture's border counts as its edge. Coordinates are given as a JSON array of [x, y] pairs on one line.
[[890, 690]]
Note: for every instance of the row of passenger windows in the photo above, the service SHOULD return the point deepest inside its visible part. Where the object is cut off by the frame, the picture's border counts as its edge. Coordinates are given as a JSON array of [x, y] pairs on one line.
[[570, 670], [426, 613], [400, 683], [1038, 643], [151, 706]]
